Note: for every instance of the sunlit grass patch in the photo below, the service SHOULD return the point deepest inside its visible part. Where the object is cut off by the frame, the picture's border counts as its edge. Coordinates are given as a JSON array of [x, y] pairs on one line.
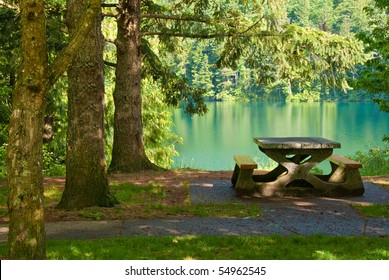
[[274, 247], [52, 194], [92, 213], [374, 210], [129, 193], [226, 210]]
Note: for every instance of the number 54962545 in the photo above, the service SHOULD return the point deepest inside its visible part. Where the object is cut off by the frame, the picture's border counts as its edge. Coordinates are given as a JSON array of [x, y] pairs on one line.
[[231, 270]]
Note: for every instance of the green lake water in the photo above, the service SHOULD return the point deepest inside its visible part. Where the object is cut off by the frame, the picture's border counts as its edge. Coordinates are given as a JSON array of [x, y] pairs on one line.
[[210, 141]]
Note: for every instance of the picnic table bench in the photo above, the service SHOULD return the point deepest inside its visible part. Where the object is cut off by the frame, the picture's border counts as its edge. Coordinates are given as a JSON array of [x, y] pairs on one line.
[[296, 156]]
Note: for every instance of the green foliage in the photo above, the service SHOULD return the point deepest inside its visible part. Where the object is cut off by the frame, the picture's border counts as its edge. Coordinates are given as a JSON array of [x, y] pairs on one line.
[[9, 40], [305, 95], [3, 167], [259, 48], [175, 89], [53, 164], [374, 76], [299, 53], [249, 40], [375, 161], [344, 17]]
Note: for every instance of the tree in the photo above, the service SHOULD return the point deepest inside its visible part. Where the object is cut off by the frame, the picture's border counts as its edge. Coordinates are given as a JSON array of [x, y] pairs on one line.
[[182, 19], [35, 77], [374, 76], [262, 38], [128, 152], [350, 17], [86, 175], [293, 53], [200, 70]]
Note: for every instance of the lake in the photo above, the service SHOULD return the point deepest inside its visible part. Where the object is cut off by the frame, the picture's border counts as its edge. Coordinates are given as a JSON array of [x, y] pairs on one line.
[[210, 141]]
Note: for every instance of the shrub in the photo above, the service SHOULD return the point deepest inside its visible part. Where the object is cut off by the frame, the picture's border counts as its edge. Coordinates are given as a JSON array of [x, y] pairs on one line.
[[375, 161]]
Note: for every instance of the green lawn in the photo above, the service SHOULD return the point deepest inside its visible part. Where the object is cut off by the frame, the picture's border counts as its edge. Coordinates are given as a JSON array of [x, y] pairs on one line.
[[374, 210], [151, 201], [220, 248]]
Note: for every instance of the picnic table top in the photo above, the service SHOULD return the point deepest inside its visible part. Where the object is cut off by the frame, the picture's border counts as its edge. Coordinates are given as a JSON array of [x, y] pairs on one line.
[[296, 143]]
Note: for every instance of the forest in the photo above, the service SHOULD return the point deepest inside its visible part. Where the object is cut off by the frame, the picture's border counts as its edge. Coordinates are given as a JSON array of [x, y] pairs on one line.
[[100, 78], [194, 61]]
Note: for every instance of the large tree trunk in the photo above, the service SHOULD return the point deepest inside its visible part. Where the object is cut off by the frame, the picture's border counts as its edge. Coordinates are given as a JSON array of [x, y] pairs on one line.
[[128, 154], [26, 236], [86, 176]]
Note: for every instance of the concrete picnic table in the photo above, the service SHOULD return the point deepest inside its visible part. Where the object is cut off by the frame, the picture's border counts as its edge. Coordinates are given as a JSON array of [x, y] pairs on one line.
[[296, 157]]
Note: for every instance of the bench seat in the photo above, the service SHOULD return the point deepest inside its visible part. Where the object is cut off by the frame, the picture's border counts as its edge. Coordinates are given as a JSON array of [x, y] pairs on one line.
[[345, 173], [345, 162], [245, 162], [243, 172]]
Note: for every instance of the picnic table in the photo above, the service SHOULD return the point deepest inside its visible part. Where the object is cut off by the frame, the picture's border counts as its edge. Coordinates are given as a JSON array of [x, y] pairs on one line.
[[296, 157]]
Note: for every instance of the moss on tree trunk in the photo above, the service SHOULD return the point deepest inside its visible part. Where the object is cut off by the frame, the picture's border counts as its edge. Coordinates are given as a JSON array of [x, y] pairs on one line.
[[26, 236]]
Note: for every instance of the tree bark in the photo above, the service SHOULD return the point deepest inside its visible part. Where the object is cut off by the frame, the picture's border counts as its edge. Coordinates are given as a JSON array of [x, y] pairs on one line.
[[128, 153], [86, 175], [26, 237]]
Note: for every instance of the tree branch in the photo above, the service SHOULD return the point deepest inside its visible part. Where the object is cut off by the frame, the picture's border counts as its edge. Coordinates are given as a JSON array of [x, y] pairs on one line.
[[111, 64], [186, 35], [69, 53], [10, 6], [107, 40], [109, 5], [178, 18], [263, 33], [110, 15]]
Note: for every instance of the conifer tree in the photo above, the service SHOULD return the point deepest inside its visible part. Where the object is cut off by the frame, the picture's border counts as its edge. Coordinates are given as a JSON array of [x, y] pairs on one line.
[[35, 77], [256, 31]]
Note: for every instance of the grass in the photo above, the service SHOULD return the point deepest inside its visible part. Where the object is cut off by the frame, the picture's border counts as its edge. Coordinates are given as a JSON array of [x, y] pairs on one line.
[[373, 211], [220, 248], [129, 193], [151, 201], [156, 201]]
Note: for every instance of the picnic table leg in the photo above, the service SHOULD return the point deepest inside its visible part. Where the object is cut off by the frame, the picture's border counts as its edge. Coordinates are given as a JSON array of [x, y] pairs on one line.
[[347, 180], [242, 180], [294, 166], [271, 175], [234, 177]]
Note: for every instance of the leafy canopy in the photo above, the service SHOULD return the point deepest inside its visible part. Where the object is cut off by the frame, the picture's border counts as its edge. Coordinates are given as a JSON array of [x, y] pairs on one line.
[[255, 31]]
